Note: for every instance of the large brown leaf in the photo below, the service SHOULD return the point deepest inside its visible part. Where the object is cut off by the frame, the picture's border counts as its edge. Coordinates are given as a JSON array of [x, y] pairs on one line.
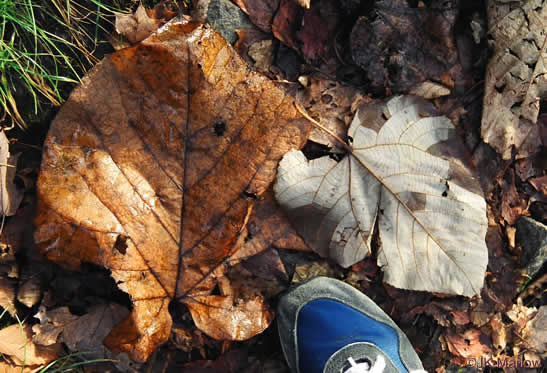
[[152, 167]]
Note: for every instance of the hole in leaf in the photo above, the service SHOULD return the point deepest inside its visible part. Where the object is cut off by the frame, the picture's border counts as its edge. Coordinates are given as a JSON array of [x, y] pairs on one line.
[[247, 194], [445, 193], [177, 310], [249, 237], [121, 244], [216, 290], [313, 150], [219, 128]]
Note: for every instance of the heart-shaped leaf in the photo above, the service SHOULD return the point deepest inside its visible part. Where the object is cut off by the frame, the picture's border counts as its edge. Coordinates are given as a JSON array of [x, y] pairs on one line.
[[405, 174], [152, 167]]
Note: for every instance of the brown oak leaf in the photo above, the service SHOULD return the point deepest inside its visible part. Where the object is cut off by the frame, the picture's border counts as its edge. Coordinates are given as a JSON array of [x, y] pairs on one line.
[[151, 167]]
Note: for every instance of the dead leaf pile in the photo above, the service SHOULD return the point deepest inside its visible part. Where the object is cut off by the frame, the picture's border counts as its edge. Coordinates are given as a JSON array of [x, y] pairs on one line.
[[399, 47], [152, 170], [296, 24]]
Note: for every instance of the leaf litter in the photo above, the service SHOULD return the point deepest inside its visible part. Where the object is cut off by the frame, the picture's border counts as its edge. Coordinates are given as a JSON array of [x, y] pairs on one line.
[[435, 317]]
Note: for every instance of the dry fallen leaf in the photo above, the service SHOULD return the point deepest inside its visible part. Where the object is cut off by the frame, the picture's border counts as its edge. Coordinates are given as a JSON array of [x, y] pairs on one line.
[[7, 294], [138, 26], [79, 333], [152, 168], [516, 76], [257, 48], [304, 3], [331, 104], [16, 342], [407, 175], [283, 24], [10, 195], [12, 368], [260, 12], [293, 23], [540, 184], [314, 35], [400, 47], [223, 317], [466, 345], [430, 90], [534, 333], [268, 227], [512, 204]]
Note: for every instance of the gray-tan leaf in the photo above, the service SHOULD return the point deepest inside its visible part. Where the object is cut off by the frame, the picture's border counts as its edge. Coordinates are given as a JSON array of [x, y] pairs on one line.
[[406, 173]]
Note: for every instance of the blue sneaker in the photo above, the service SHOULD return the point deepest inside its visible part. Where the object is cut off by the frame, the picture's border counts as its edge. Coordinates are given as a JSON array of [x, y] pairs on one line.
[[327, 326]]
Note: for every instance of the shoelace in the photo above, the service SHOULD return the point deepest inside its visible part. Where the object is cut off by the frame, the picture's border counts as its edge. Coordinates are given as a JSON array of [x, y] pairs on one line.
[[377, 367]]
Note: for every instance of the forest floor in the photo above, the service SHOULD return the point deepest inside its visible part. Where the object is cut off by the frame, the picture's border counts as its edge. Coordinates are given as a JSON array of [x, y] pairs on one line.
[[331, 57]]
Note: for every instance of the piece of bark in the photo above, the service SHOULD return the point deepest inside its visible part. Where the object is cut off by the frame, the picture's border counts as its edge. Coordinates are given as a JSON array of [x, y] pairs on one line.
[[516, 77]]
